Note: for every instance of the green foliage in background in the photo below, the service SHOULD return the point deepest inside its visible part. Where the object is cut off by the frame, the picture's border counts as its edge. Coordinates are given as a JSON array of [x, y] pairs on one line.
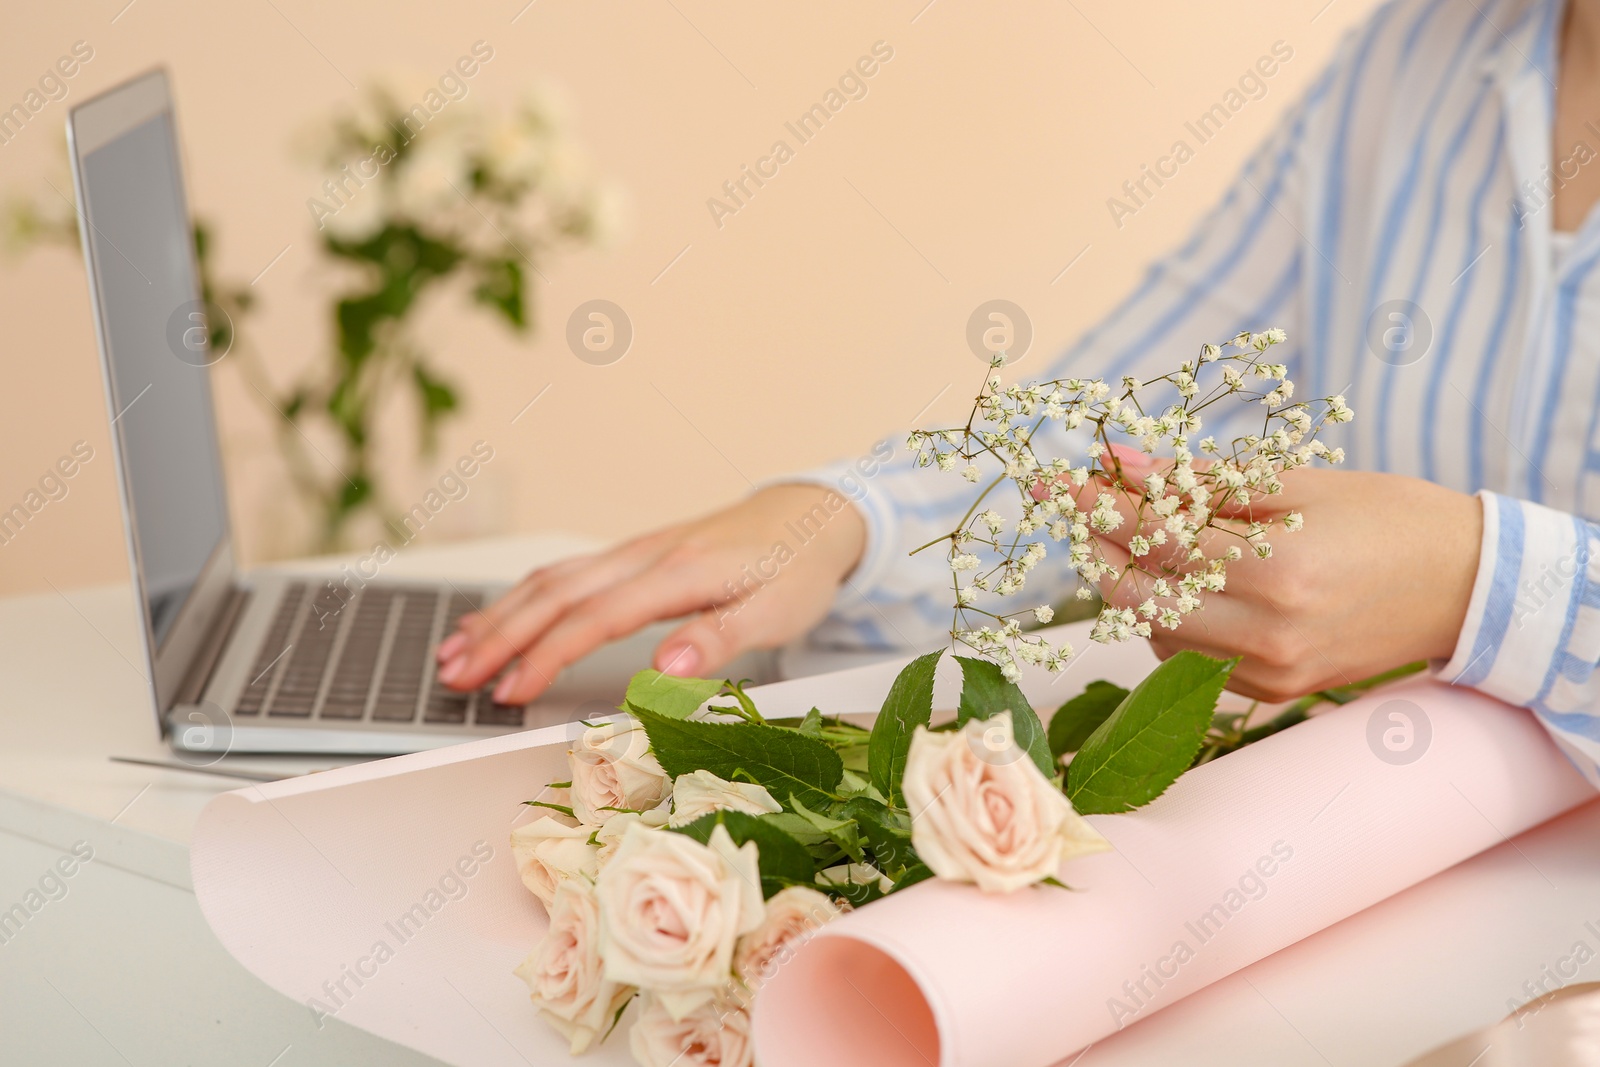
[[464, 203]]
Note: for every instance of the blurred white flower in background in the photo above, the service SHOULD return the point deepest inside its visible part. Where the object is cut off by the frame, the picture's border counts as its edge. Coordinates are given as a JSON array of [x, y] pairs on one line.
[[434, 176], [506, 182]]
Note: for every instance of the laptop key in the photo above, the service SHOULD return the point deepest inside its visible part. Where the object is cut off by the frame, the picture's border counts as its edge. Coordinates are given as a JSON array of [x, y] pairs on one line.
[[446, 708], [493, 714], [302, 677], [408, 652], [344, 709], [346, 696], [394, 711], [274, 650]]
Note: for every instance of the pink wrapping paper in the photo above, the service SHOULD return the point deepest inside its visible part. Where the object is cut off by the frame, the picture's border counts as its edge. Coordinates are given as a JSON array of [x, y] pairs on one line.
[[1240, 859], [301, 879], [384, 895]]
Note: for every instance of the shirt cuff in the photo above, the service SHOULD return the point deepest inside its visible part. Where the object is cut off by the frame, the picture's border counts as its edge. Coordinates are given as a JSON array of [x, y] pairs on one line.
[[1526, 600], [848, 480]]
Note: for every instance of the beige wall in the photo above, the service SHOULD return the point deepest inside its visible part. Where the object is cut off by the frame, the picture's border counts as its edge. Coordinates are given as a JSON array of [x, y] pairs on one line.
[[830, 308]]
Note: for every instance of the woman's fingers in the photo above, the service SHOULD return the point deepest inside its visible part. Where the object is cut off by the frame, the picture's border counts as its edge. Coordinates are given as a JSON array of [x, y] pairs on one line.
[[613, 612], [472, 626], [763, 618], [560, 613], [495, 636]]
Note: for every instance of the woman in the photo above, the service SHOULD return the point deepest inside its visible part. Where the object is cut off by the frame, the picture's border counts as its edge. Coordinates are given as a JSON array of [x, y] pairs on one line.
[[1420, 226]]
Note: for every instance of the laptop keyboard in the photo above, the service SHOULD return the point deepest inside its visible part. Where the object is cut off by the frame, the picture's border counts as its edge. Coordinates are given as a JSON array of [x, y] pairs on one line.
[[333, 656]]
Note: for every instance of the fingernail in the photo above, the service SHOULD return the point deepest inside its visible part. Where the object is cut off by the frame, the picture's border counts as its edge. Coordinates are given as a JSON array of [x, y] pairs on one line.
[[502, 690], [450, 646], [680, 661], [451, 670]]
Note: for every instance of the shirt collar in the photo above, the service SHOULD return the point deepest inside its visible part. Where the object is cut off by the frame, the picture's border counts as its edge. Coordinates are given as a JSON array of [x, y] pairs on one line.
[[1526, 50]]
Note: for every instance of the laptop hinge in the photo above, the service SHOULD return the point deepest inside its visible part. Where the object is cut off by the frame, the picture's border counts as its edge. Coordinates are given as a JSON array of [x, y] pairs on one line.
[[210, 653]]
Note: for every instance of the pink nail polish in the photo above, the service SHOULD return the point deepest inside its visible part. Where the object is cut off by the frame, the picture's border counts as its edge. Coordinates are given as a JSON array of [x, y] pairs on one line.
[[680, 662], [450, 646], [451, 670], [503, 689]]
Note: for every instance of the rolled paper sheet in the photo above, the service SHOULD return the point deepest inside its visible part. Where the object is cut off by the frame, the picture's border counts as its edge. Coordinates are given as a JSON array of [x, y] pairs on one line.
[[1559, 1029], [1239, 859], [385, 895]]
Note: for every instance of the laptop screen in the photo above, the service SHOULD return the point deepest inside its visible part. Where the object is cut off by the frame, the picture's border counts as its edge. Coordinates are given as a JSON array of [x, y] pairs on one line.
[[155, 335]]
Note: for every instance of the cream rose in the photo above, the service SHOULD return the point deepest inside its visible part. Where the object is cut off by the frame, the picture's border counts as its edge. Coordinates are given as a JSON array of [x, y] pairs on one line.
[[609, 836], [566, 978], [716, 1034], [612, 767], [793, 915], [982, 812], [671, 910], [701, 792], [549, 851]]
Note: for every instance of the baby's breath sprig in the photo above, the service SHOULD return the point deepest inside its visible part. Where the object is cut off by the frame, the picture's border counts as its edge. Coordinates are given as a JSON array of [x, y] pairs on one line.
[[1190, 518]]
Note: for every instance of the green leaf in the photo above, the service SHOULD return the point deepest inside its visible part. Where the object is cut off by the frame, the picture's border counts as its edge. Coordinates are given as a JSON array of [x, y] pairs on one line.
[[1151, 738], [500, 286], [783, 859], [811, 725], [437, 398], [843, 832], [908, 705], [802, 831], [666, 695], [985, 692], [1081, 716], [562, 808], [887, 833], [781, 760], [437, 395], [354, 492], [917, 872]]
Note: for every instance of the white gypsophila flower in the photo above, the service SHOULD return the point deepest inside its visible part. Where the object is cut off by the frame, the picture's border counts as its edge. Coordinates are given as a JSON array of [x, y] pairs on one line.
[[982, 812], [565, 975], [1174, 507]]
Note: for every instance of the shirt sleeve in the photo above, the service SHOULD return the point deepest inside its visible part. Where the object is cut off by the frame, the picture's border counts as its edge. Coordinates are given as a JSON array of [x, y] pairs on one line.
[[1532, 634], [1241, 269]]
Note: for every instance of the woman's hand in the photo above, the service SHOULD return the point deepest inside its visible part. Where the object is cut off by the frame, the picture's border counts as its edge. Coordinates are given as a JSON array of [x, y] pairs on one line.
[[1380, 576], [743, 572]]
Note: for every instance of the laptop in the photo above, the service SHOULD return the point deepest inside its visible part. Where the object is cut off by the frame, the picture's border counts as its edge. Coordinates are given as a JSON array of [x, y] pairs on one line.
[[265, 662]]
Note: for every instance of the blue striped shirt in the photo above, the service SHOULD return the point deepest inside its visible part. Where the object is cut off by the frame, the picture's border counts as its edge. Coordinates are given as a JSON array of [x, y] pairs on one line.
[[1398, 225]]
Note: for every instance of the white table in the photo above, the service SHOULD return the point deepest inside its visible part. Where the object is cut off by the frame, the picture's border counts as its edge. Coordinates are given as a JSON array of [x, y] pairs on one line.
[[122, 968]]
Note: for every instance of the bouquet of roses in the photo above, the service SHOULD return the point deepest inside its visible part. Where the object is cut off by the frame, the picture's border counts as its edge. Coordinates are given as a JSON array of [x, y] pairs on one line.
[[697, 844]]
